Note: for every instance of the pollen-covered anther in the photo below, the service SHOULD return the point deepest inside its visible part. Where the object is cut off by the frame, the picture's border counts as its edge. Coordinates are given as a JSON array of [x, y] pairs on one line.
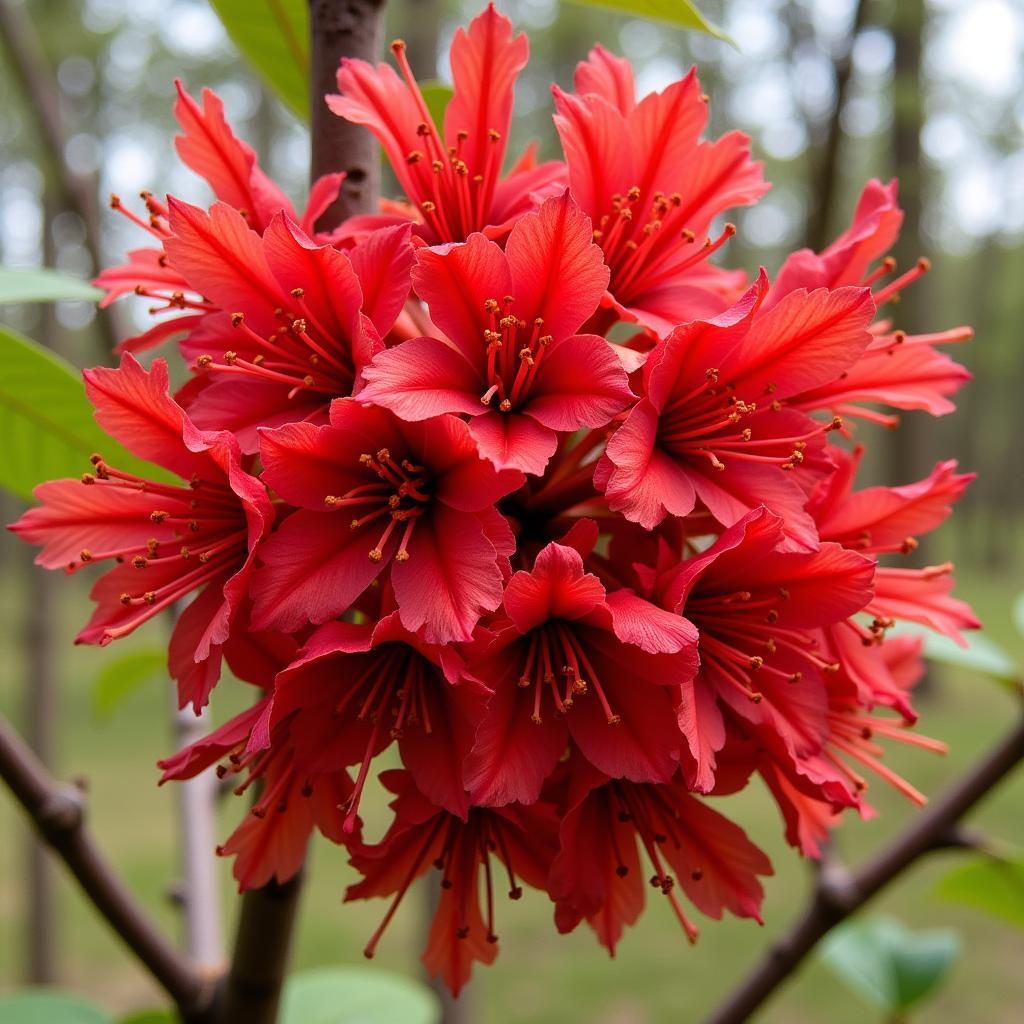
[[85, 555], [375, 554], [204, 361], [158, 516], [138, 562], [756, 661], [125, 599], [230, 357]]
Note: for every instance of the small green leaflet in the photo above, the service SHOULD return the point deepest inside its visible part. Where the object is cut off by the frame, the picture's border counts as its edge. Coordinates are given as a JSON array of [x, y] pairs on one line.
[[981, 654], [681, 13], [123, 676], [19, 285], [992, 884], [357, 995], [46, 420], [437, 96], [273, 36], [887, 964]]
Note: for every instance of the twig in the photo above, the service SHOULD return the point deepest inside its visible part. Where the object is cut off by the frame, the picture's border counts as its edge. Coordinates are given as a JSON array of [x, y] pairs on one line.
[[840, 892], [58, 813], [77, 192], [351, 29]]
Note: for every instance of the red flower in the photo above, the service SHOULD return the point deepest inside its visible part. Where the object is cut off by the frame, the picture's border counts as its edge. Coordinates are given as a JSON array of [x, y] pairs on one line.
[[378, 493], [169, 541], [899, 370], [454, 182], [271, 841], [355, 688], [572, 660], [652, 188], [512, 359], [210, 148], [607, 827], [712, 424], [756, 608], [296, 325], [520, 839]]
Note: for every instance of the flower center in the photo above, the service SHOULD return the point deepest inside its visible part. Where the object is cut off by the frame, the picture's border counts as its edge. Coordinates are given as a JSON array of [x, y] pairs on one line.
[[515, 351], [657, 246], [399, 491], [556, 662], [706, 422]]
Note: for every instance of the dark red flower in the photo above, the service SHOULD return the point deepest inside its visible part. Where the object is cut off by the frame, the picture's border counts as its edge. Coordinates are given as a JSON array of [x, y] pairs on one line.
[[356, 688], [574, 661], [652, 189], [521, 840], [452, 178], [376, 493], [610, 826], [169, 541], [512, 360]]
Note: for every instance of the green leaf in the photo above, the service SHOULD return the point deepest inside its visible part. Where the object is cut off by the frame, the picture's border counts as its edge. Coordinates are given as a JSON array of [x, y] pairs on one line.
[[888, 965], [357, 995], [1018, 613], [49, 1006], [46, 421], [273, 36], [151, 1017], [437, 96], [123, 676], [676, 12], [981, 654], [18, 286], [991, 884]]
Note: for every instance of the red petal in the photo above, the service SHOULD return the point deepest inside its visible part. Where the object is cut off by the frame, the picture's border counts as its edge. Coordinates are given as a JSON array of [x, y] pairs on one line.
[[512, 441], [558, 273], [557, 588]]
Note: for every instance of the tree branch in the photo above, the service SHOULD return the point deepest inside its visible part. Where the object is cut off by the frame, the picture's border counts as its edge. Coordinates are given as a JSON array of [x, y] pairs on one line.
[[57, 812], [827, 172], [840, 892], [343, 28]]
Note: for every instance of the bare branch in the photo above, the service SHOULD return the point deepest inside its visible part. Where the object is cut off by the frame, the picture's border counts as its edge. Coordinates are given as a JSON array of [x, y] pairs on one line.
[[840, 892], [57, 812]]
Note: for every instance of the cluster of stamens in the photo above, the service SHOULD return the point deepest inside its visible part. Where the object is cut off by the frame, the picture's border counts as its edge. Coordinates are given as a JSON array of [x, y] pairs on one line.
[[740, 632], [206, 515], [401, 493], [706, 422], [557, 663], [651, 250], [453, 198], [515, 351]]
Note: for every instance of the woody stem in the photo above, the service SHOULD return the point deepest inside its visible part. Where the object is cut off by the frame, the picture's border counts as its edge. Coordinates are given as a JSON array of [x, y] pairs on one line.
[[57, 812], [840, 892]]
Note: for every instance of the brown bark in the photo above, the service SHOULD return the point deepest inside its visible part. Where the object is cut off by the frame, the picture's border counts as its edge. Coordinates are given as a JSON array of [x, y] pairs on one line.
[[343, 28]]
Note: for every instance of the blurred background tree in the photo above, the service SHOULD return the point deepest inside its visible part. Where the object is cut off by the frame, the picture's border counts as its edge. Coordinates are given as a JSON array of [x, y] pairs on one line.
[[832, 92]]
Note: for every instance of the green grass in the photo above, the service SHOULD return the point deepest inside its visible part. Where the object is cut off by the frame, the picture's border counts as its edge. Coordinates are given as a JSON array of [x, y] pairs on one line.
[[540, 977]]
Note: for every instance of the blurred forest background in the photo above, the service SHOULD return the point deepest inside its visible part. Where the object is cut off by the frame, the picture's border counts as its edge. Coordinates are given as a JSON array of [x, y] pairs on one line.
[[833, 92]]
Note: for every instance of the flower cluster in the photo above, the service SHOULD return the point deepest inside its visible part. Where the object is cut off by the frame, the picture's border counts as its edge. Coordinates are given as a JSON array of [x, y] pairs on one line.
[[510, 476]]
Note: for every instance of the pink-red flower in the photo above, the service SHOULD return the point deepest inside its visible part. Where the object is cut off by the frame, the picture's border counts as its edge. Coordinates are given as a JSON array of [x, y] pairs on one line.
[[652, 188], [376, 493], [170, 541], [511, 359], [453, 178]]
